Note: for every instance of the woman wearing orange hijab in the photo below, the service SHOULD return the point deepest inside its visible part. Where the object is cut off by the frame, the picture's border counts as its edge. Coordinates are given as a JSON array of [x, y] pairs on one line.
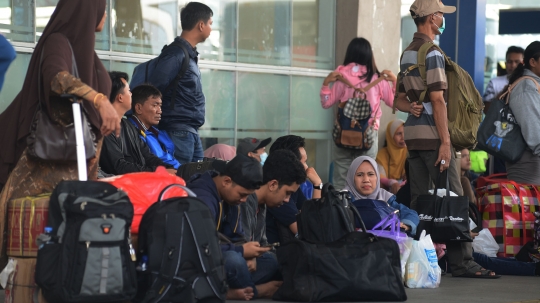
[[391, 159]]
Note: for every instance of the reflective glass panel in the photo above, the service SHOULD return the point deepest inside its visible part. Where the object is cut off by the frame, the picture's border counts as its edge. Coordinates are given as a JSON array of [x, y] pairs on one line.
[[219, 89], [263, 105], [313, 30], [307, 115], [44, 11], [143, 26], [17, 20], [221, 45], [14, 80], [264, 32], [120, 66]]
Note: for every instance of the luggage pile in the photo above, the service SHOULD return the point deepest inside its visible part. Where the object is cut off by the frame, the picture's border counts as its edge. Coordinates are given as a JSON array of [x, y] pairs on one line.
[[508, 211]]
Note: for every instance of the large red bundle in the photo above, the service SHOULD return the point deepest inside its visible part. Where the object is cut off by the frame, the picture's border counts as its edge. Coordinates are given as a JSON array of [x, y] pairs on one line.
[[143, 190], [508, 211]]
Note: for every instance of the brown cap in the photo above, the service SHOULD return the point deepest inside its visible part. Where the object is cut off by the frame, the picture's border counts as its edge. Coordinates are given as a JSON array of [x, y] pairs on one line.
[[422, 8]]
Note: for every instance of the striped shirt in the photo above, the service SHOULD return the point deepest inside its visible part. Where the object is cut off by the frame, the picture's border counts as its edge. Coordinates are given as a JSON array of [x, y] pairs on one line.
[[421, 133]]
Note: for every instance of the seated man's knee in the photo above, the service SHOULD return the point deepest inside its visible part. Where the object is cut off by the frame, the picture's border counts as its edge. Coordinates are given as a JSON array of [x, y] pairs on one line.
[[233, 259]]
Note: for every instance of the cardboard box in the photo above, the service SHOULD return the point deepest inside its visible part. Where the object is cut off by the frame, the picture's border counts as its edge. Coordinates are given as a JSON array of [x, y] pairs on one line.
[[21, 286], [27, 219]]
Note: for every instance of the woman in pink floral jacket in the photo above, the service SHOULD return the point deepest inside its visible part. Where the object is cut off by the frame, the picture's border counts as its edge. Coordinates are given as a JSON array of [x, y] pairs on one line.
[[358, 69]]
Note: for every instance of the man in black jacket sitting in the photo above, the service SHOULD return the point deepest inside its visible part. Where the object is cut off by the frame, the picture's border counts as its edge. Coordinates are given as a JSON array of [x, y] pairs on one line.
[[126, 153]]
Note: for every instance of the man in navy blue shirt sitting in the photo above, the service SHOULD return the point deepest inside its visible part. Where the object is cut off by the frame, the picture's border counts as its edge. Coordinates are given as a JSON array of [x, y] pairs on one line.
[[281, 222], [249, 267], [146, 107]]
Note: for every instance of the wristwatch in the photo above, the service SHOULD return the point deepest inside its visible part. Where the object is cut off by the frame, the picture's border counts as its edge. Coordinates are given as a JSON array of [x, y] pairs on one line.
[[318, 186]]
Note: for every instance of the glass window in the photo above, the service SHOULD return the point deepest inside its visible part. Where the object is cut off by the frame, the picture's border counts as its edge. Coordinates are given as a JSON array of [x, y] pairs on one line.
[[307, 115], [221, 45], [313, 33], [219, 89], [143, 26], [44, 11], [17, 20], [119, 66], [14, 80], [264, 32], [263, 105]]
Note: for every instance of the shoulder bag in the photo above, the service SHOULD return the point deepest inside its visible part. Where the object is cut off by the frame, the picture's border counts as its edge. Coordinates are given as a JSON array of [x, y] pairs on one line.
[[500, 134], [51, 141]]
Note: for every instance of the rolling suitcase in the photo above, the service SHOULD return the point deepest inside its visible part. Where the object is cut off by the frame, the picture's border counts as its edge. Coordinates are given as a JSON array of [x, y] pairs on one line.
[[85, 254]]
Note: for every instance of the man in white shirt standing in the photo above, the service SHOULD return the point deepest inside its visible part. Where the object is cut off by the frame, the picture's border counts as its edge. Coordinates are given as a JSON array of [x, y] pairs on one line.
[[514, 56]]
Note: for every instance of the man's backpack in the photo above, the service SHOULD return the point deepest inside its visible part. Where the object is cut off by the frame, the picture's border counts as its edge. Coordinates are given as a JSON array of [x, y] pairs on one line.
[[143, 70], [329, 218], [178, 244], [351, 127], [464, 104], [87, 256]]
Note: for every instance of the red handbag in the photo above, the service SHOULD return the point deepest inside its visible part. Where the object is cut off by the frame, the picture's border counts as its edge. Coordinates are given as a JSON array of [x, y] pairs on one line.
[[508, 212], [144, 188]]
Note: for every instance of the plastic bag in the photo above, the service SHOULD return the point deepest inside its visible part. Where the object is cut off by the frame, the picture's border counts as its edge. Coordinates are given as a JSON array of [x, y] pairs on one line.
[[144, 188], [485, 244], [423, 270], [405, 248], [389, 228]]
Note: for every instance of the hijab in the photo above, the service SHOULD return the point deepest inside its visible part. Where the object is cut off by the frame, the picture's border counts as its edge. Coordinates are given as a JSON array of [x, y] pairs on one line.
[[75, 20], [393, 157], [378, 193], [220, 151]]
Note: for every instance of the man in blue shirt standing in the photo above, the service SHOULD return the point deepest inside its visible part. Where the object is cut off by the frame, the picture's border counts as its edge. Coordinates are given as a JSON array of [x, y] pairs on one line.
[[183, 115], [146, 108]]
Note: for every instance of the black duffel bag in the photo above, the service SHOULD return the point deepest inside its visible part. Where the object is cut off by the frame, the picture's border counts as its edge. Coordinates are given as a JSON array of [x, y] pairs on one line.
[[327, 219], [357, 267], [186, 171]]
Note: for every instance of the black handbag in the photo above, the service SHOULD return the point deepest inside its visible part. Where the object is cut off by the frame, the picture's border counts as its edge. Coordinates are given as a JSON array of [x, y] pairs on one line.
[[446, 218], [500, 134], [51, 141], [357, 267]]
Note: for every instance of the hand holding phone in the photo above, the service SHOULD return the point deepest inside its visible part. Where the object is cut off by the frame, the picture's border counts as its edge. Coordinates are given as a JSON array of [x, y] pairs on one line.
[[271, 244]]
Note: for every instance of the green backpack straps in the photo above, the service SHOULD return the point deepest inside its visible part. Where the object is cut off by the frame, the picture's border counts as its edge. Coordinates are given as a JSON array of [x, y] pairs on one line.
[[421, 65]]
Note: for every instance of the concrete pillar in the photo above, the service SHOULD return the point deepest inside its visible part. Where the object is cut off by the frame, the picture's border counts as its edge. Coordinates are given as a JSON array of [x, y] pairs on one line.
[[379, 21]]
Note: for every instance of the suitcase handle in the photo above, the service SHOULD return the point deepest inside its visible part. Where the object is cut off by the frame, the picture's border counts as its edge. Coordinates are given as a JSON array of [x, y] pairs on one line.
[[188, 191]]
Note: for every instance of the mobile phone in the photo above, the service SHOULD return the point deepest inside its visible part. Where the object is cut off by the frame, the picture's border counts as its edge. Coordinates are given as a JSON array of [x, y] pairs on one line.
[[271, 245]]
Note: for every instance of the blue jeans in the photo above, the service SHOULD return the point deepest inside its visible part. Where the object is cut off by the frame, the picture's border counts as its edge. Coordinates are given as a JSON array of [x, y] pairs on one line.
[[505, 266], [187, 146], [238, 275]]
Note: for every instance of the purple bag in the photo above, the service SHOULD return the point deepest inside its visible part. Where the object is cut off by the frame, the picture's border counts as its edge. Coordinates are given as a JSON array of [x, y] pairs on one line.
[[389, 228]]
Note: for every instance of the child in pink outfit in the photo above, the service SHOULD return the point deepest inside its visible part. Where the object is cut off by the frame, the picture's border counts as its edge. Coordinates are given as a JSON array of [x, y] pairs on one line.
[[340, 92], [360, 70]]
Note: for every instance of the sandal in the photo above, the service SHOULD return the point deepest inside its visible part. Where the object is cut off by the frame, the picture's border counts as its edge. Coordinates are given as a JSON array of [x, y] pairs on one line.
[[484, 274]]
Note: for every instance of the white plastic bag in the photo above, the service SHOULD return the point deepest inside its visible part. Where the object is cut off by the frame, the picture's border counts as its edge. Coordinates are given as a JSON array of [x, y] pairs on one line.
[[485, 244], [423, 270], [405, 248], [441, 192], [6, 273]]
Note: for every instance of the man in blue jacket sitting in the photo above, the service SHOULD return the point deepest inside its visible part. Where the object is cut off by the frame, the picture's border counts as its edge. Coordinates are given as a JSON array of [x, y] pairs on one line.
[[249, 267], [146, 108]]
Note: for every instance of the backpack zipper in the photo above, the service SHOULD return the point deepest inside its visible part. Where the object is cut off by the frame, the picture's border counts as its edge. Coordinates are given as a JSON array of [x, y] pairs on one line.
[[84, 203]]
